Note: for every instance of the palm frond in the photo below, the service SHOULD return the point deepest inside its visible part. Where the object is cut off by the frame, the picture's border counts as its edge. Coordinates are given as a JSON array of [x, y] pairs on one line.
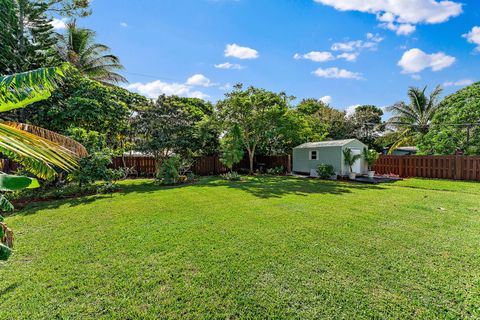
[[21, 89], [75, 147], [37, 155]]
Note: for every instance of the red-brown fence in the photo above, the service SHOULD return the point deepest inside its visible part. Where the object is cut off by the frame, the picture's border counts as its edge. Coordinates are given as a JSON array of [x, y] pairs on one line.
[[440, 167], [207, 165]]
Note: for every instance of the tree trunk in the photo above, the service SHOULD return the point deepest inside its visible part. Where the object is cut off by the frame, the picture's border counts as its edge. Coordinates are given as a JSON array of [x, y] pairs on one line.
[[158, 165], [250, 158]]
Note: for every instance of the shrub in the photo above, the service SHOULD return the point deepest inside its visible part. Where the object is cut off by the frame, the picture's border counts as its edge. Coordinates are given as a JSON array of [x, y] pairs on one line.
[[169, 171], [95, 167], [276, 171], [325, 171], [231, 176]]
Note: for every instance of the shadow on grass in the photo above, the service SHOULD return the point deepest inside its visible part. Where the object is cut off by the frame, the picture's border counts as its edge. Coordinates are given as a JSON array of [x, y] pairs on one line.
[[259, 186], [275, 187]]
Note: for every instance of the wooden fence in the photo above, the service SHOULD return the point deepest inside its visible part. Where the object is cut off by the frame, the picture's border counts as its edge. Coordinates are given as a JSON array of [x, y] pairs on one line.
[[439, 167], [207, 165]]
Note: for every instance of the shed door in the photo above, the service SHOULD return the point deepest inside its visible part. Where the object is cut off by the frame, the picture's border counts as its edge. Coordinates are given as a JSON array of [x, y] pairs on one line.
[[357, 167]]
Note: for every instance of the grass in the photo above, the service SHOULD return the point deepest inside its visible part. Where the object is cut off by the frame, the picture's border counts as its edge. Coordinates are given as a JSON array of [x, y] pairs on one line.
[[269, 247]]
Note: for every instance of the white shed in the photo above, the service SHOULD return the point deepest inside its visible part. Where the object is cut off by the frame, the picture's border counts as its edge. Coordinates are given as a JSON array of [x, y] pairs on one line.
[[309, 156]]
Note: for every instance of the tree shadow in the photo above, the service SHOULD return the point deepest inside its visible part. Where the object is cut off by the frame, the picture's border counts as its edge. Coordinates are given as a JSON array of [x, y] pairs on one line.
[[8, 289], [259, 186], [278, 186]]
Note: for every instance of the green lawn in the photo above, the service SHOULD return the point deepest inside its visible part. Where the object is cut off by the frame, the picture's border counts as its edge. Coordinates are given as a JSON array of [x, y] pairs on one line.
[[263, 248]]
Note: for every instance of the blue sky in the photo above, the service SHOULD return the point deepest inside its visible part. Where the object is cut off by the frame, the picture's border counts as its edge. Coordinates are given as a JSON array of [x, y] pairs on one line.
[[347, 52]]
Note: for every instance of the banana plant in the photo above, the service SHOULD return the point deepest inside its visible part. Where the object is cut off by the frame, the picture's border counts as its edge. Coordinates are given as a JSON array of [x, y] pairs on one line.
[[39, 151]]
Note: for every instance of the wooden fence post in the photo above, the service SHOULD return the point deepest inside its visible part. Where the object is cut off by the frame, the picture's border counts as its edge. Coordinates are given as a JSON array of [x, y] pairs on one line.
[[289, 163], [458, 168]]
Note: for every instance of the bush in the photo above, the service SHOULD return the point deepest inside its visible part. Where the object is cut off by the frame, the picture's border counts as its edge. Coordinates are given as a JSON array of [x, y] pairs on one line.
[[95, 167], [325, 171], [169, 171], [276, 171], [231, 176]]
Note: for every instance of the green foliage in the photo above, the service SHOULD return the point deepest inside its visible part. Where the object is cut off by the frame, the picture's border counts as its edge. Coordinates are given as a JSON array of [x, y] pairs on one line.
[[349, 158], [93, 141], [367, 125], [163, 128], [231, 176], [370, 156], [95, 167], [450, 130], [256, 111], [276, 171], [93, 60], [232, 147], [168, 174], [413, 120], [324, 120], [5, 252], [89, 105], [27, 37], [325, 171]]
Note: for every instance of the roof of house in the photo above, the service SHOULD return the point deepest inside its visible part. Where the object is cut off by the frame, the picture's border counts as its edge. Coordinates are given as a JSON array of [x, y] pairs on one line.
[[332, 143]]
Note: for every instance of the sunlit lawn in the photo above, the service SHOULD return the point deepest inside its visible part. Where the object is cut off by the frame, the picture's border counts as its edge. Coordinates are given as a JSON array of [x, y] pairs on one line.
[[263, 248]]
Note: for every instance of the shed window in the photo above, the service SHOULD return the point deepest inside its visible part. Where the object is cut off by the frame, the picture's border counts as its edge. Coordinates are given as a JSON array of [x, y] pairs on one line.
[[313, 155]]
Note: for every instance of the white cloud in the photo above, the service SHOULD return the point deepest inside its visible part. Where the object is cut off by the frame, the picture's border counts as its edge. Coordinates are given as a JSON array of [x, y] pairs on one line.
[[317, 56], [336, 73], [459, 83], [226, 86], [351, 110], [326, 99], [348, 56], [124, 24], [350, 46], [473, 37], [228, 65], [415, 60], [59, 24], [155, 88], [236, 51], [400, 29], [401, 15], [199, 80], [374, 37]]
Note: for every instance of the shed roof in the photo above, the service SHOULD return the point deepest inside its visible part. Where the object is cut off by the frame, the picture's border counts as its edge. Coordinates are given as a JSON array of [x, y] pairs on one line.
[[332, 143]]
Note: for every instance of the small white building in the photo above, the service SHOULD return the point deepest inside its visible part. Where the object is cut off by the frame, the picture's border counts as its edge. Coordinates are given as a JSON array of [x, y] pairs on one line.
[[308, 156]]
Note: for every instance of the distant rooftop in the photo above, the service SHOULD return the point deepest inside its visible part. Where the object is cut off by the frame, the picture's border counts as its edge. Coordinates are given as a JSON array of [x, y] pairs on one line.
[[332, 143]]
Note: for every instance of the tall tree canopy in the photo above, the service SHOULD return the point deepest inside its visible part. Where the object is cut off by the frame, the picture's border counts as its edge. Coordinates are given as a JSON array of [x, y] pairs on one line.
[[456, 124], [27, 37], [413, 120], [322, 117], [256, 111], [93, 60], [367, 124]]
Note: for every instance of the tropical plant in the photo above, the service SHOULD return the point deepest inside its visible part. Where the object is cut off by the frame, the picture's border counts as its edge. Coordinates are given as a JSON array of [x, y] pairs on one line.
[[413, 120], [325, 171], [370, 157], [456, 125], [78, 47], [169, 174], [232, 147], [39, 151], [231, 176], [349, 158]]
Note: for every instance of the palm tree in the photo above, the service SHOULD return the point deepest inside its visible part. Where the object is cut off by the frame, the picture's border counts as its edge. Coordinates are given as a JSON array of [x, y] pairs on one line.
[[39, 151], [77, 46], [413, 119]]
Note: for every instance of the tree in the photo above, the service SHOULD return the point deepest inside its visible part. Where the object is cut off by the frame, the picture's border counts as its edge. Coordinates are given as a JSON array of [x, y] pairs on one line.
[[78, 47], [70, 8], [413, 120], [349, 158], [323, 118], [255, 111], [163, 129], [367, 124], [39, 151], [456, 124], [232, 147], [89, 105], [27, 37]]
